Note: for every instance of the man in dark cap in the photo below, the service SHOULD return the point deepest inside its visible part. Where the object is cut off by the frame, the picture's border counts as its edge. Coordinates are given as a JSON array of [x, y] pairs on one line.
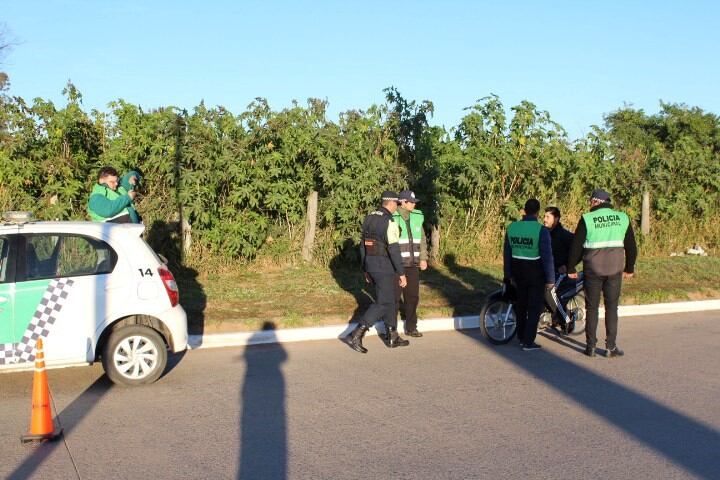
[[605, 241], [382, 264], [528, 264], [413, 249]]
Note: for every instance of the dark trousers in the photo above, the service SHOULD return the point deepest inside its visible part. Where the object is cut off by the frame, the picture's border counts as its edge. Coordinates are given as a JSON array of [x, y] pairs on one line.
[[410, 297], [610, 286], [528, 307], [384, 305]]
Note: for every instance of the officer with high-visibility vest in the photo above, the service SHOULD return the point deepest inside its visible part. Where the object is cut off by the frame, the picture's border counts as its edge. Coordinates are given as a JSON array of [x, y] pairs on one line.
[[383, 266], [413, 249], [528, 266], [605, 241], [110, 202]]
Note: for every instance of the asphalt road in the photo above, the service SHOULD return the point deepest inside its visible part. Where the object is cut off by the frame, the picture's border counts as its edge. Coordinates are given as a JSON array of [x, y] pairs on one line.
[[449, 406]]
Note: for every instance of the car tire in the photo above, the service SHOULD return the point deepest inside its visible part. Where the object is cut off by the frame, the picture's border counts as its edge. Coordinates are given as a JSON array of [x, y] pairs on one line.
[[134, 355]]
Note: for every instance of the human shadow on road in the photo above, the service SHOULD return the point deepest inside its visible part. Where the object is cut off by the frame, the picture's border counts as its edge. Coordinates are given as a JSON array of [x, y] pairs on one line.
[[668, 432], [69, 418], [263, 433]]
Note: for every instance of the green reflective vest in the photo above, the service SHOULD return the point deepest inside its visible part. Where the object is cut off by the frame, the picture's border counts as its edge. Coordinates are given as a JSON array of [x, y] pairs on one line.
[[524, 240], [606, 228], [110, 194], [410, 240]]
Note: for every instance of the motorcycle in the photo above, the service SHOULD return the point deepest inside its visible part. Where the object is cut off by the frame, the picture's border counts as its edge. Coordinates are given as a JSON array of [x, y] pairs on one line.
[[497, 317]]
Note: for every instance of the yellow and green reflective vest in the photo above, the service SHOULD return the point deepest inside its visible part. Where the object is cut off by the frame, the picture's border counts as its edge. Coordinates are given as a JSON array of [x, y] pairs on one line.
[[410, 247], [606, 228], [524, 240]]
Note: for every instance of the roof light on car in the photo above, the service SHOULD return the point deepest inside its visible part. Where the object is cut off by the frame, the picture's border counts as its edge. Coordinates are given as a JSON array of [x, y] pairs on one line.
[[18, 217]]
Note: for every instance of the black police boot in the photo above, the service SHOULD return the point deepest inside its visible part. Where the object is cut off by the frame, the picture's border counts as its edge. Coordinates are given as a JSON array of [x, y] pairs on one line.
[[413, 333], [354, 339], [394, 339]]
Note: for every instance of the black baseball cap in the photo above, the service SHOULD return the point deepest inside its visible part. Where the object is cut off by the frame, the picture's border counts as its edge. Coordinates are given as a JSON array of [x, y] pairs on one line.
[[600, 194], [408, 196], [389, 195]]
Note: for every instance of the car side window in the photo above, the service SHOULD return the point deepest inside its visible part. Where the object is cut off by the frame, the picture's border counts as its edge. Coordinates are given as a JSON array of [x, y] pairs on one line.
[[54, 255], [40, 256], [80, 255]]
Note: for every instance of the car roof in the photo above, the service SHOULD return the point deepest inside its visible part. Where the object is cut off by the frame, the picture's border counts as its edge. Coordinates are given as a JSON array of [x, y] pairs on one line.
[[101, 229]]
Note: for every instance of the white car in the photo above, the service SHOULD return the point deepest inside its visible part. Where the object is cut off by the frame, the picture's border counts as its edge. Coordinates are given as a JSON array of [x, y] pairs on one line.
[[91, 291]]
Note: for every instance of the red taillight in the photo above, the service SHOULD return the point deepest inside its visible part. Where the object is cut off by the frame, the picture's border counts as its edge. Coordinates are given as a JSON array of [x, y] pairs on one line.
[[170, 285]]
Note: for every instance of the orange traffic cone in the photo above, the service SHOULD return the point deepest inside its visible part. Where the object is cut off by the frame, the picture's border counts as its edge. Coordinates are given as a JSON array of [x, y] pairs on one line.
[[41, 422]]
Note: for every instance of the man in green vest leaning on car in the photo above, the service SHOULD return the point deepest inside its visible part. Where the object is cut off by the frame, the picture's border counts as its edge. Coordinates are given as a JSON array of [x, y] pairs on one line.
[[110, 202], [413, 249], [605, 240]]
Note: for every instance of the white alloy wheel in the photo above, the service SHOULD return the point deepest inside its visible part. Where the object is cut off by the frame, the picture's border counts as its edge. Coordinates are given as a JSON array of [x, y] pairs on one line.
[[134, 354]]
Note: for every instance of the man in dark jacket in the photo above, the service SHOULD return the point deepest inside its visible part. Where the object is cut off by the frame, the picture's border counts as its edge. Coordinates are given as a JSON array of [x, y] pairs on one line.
[[605, 241], [383, 266], [528, 264], [561, 241]]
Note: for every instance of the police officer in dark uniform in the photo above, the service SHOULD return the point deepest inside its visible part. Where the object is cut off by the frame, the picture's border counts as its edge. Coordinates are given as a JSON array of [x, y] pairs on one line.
[[528, 265], [383, 266], [605, 240]]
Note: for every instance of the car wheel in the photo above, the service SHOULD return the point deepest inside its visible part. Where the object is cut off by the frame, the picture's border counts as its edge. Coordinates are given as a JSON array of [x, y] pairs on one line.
[[134, 355]]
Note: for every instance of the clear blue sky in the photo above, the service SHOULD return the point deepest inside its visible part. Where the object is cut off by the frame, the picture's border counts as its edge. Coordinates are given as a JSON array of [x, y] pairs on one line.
[[576, 59]]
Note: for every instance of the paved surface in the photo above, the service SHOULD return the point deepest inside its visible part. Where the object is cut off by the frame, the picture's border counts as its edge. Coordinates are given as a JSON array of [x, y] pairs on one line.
[[449, 406]]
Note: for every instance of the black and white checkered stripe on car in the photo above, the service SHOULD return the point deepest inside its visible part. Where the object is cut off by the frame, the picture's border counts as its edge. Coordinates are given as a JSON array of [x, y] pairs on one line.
[[40, 325]]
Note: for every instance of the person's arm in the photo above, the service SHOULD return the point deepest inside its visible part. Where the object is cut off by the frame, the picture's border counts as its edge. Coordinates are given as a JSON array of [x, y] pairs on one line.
[[423, 247], [630, 250], [576, 248], [507, 259], [393, 245], [107, 208], [546, 256]]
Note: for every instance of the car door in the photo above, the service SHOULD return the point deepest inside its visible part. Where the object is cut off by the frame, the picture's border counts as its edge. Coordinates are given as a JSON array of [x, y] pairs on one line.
[[8, 339], [57, 295]]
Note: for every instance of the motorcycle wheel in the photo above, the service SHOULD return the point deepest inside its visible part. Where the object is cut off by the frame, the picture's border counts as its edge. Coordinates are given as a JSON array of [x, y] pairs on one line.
[[497, 320], [576, 306]]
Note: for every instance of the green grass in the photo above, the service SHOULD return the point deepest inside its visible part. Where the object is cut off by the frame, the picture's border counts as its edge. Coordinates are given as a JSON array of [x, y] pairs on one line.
[[244, 297]]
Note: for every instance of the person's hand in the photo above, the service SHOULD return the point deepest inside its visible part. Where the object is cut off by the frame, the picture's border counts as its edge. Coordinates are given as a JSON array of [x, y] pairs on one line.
[[562, 269], [574, 276], [403, 281], [423, 264], [133, 180], [132, 194], [549, 286], [368, 278], [627, 275]]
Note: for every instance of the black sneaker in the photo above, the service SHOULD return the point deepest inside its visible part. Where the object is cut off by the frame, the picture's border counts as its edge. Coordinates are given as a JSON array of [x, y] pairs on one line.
[[413, 333], [590, 350], [532, 346], [614, 352]]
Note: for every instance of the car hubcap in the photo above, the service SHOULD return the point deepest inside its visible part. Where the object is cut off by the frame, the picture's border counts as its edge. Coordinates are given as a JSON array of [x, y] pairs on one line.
[[135, 357]]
